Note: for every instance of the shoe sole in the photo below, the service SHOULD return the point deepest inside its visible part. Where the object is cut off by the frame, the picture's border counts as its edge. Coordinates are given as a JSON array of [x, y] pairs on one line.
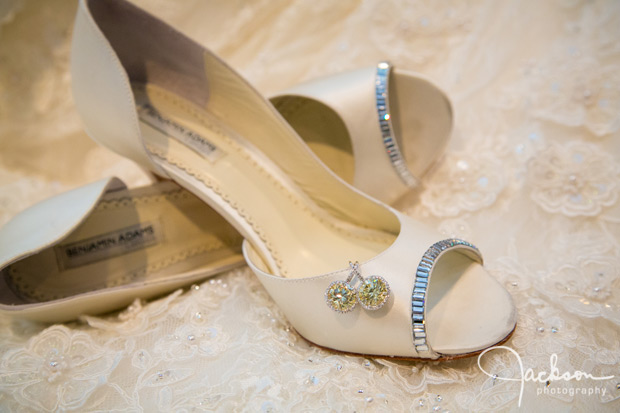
[[400, 358]]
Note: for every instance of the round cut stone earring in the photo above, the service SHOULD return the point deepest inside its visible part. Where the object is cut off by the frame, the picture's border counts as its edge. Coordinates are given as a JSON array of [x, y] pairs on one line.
[[372, 293]]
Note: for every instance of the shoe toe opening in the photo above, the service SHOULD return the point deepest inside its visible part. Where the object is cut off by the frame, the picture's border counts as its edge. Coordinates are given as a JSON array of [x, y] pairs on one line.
[[467, 309]]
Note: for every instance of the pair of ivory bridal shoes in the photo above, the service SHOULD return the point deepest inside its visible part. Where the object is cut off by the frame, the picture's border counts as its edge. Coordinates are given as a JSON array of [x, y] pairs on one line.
[[349, 272], [337, 116]]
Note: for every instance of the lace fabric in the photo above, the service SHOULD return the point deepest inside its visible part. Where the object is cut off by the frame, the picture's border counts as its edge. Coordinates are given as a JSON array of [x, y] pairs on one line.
[[532, 177]]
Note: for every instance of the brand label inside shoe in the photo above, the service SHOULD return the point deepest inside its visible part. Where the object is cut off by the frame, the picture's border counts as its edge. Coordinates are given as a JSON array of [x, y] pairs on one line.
[[109, 245], [149, 115]]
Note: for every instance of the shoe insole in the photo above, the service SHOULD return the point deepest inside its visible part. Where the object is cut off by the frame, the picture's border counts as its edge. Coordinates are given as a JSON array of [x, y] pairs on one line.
[[132, 236]]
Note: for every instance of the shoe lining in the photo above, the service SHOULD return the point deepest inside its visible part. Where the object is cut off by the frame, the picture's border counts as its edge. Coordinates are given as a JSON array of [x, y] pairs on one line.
[[322, 129]]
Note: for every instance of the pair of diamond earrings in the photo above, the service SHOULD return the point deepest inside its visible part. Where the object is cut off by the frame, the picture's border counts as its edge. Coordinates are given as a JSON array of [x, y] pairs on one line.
[[372, 293]]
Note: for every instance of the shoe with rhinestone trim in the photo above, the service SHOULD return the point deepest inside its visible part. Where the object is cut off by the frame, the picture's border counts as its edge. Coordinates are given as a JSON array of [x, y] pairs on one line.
[[151, 94]]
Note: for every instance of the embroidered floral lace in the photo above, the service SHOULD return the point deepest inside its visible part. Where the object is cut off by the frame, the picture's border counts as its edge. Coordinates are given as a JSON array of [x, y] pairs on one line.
[[532, 177]]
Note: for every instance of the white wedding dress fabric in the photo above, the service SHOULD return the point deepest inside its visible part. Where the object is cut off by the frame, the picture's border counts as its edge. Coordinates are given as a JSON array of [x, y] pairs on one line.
[[531, 176]]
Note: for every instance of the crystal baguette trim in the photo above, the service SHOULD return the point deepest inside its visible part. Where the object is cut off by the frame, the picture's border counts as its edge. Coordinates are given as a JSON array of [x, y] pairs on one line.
[[418, 296], [385, 123]]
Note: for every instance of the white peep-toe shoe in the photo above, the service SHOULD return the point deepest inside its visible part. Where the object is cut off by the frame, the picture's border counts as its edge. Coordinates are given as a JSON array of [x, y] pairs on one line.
[[96, 248], [153, 95], [379, 128]]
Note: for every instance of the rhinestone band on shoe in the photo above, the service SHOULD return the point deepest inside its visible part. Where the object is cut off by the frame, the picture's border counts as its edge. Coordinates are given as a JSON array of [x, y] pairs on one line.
[[420, 288], [385, 123], [372, 293]]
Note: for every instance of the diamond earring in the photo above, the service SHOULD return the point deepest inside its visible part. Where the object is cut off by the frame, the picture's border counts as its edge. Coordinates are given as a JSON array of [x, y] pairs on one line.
[[372, 294]]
